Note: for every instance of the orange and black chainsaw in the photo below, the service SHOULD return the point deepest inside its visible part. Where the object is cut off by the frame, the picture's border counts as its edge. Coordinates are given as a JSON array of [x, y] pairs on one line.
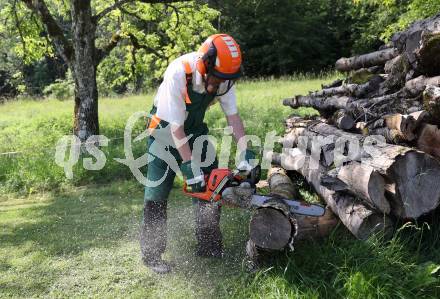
[[221, 178]]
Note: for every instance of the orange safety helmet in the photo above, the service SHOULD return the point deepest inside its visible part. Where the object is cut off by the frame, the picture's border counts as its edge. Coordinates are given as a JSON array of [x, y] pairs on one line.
[[220, 56]]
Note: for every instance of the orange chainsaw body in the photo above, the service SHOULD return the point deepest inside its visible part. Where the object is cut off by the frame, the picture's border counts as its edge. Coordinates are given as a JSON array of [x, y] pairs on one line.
[[212, 181]]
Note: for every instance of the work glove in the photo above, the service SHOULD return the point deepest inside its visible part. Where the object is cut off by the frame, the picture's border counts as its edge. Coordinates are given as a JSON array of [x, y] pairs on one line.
[[193, 175], [245, 165]]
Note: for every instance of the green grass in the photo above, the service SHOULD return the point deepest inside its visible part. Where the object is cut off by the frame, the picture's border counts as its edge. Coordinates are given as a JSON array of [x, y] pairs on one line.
[[61, 238], [83, 243]]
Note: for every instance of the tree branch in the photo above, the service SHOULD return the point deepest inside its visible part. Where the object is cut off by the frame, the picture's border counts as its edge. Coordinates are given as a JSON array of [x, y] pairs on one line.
[[136, 45], [120, 3], [103, 52], [63, 46]]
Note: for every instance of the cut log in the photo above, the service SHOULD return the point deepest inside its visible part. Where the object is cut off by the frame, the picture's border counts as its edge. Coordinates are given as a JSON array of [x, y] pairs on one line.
[[325, 105], [429, 140], [306, 227], [270, 228], [417, 86], [395, 128], [343, 120], [280, 183], [431, 103], [361, 109], [414, 173], [366, 60], [360, 220], [421, 45], [366, 183], [356, 90], [391, 135]]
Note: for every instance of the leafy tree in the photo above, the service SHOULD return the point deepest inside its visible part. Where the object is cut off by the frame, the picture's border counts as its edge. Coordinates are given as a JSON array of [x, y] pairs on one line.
[[84, 33]]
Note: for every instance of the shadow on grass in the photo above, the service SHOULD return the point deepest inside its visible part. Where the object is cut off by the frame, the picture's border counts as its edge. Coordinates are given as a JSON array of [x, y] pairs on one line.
[[76, 221]]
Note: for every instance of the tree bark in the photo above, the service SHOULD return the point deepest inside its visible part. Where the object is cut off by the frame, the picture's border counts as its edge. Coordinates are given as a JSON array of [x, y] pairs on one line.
[[361, 109], [84, 70], [366, 60]]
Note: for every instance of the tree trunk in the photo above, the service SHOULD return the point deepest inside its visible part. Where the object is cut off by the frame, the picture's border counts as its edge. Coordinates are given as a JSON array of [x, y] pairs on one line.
[[366, 60], [84, 70], [315, 228]]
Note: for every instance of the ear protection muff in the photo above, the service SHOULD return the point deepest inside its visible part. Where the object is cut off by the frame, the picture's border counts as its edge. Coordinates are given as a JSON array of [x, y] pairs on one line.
[[207, 62]]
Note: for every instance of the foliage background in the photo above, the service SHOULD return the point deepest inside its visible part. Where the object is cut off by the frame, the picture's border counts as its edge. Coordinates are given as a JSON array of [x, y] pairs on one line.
[[277, 37]]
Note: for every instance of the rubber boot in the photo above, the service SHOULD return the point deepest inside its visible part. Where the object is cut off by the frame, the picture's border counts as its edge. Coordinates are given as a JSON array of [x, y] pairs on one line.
[[208, 234], [153, 236]]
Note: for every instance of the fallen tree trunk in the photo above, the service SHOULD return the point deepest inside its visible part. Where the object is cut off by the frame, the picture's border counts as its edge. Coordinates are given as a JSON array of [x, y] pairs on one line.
[[360, 220], [414, 173], [366, 60]]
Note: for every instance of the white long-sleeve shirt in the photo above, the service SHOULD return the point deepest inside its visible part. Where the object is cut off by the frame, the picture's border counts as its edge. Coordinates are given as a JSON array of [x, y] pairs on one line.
[[170, 97]]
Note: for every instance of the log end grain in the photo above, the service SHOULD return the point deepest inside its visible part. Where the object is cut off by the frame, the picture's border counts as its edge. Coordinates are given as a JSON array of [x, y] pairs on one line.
[[270, 229]]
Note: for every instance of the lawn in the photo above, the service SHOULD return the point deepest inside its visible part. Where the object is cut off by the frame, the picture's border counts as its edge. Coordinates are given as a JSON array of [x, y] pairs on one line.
[[78, 238]]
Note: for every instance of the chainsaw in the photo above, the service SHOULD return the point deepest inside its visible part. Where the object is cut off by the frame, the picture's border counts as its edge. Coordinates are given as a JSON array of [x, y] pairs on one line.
[[221, 178]]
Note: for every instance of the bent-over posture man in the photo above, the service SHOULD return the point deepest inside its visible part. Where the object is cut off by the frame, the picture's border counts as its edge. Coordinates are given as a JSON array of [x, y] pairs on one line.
[[191, 84]]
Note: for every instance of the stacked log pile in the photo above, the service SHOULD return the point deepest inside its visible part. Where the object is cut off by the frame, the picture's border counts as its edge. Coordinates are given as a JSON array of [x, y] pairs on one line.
[[373, 153]]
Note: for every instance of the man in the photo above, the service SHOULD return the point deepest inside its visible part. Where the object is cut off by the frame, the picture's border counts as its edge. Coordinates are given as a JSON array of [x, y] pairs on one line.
[[191, 84]]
